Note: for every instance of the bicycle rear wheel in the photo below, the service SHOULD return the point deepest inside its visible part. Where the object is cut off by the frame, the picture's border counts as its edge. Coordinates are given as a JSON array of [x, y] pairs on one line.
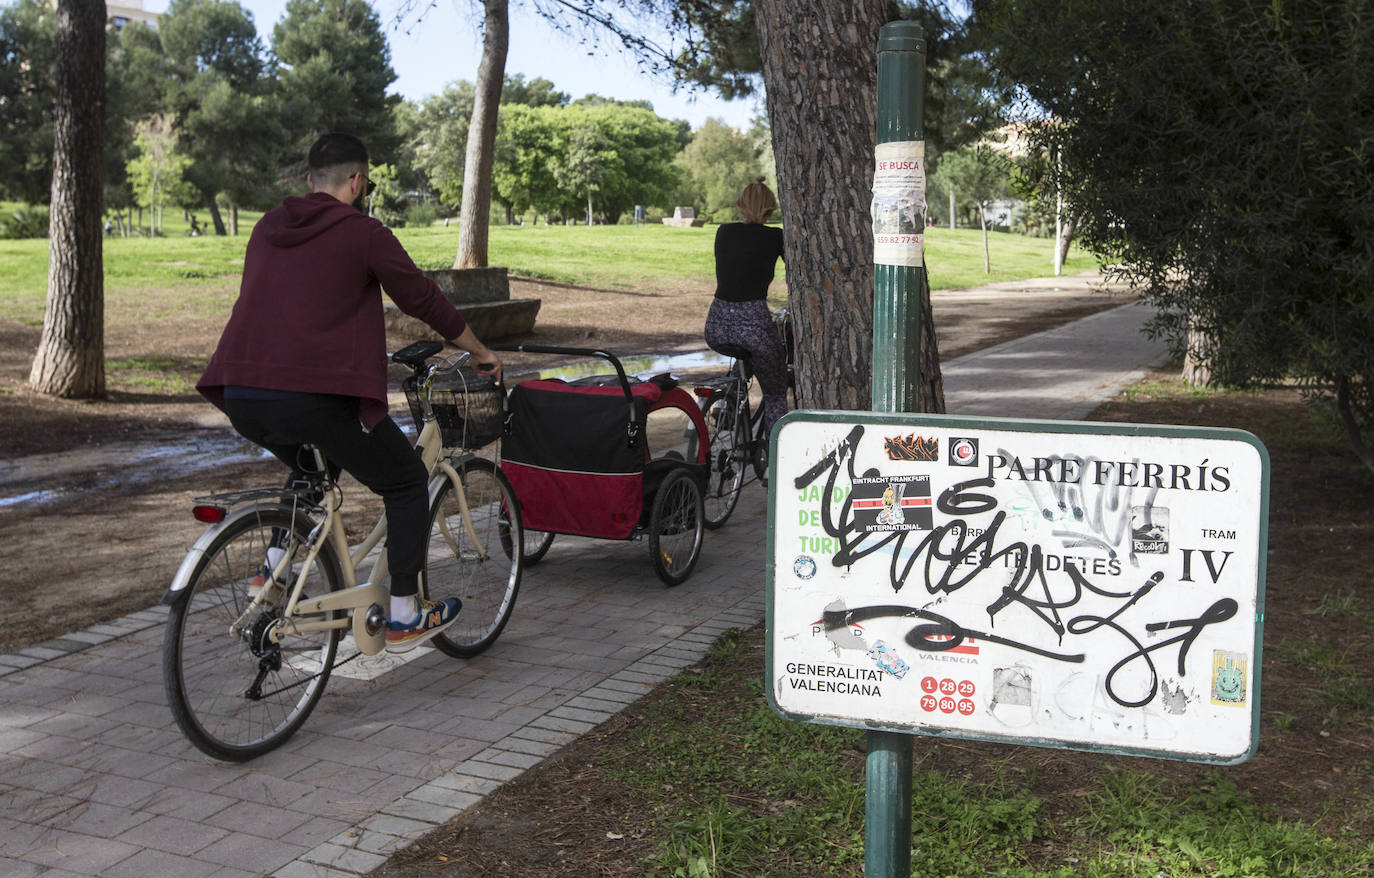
[[729, 439], [471, 559], [237, 697], [759, 444]]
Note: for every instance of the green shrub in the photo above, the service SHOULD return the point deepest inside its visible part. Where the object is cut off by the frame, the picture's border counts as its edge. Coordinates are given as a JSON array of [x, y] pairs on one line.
[[25, 222], [421, 215]]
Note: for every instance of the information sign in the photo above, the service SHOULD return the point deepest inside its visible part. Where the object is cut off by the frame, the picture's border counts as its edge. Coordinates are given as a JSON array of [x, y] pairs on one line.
[[1083, 585]]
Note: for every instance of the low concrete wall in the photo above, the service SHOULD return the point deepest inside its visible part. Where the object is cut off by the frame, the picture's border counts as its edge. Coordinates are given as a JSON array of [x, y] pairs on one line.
[[463, 286], [482, 294], [489, 320]]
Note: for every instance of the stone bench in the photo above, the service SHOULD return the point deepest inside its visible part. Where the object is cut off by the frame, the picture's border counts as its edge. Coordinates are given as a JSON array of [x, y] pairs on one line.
[[482, 294]]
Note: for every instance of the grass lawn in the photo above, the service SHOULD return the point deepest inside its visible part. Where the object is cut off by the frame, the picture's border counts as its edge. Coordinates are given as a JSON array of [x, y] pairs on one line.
[[702, 779], [646, 256]]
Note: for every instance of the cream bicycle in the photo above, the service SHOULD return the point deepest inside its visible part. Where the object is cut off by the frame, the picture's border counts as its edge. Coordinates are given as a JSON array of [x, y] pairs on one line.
[[244, 666]]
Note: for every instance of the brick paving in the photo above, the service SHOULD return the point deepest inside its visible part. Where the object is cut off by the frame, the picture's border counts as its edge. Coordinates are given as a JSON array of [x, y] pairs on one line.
[[96, 780]]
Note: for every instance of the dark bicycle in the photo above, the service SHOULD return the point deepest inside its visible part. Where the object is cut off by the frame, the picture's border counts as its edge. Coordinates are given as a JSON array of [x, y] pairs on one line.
[[735, 427]]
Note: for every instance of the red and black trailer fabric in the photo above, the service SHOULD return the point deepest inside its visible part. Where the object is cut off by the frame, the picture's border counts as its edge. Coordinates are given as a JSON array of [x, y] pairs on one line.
[[578, 456], [575, 456]]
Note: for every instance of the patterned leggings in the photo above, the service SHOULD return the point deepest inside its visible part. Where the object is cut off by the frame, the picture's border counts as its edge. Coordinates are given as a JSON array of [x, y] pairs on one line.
[[750, 325]]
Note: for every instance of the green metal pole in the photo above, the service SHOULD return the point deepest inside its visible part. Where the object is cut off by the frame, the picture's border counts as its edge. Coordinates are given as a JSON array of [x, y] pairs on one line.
[[898, 258], [899, 227]]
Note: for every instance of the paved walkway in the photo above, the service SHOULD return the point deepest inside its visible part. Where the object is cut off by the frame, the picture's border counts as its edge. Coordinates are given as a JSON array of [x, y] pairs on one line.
[[96, 780]]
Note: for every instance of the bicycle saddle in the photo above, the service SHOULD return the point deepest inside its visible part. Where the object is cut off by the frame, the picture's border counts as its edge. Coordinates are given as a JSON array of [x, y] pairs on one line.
[[417, 352]]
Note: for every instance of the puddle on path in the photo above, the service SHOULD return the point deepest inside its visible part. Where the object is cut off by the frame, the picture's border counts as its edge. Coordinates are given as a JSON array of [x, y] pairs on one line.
[[640, 366], [45, 478], [86, 471]]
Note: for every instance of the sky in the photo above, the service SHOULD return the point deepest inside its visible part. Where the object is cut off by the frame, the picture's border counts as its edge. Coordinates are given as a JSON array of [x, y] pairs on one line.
[[446, 46]]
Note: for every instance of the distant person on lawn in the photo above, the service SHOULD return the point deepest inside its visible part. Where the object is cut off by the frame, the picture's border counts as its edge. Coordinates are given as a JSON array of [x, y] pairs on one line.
[[303, 359]]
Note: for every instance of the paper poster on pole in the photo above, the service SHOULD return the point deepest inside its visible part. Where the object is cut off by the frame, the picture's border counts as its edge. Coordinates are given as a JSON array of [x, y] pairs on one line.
[[899, 203], [1088, 586]]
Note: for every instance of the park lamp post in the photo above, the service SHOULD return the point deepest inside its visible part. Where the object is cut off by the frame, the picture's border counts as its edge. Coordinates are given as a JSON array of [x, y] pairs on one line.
[[898, 229]]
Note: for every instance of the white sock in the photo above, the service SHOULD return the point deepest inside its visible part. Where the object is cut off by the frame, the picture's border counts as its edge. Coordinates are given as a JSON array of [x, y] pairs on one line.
[[404, 609], [274, 556]]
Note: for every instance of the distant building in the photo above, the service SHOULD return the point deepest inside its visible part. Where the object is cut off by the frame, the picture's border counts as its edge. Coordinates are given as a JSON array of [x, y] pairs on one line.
[[121, 12], [125, 11]]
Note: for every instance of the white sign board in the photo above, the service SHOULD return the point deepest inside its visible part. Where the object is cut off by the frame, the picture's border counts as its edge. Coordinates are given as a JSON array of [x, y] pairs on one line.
[[1084, 585]]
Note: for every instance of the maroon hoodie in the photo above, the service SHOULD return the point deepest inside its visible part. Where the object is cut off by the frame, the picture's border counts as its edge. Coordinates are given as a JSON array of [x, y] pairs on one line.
[[309, 313]]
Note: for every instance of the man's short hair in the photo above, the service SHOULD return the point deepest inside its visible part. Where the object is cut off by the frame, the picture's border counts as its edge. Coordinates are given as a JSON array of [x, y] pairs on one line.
[[334, 149]]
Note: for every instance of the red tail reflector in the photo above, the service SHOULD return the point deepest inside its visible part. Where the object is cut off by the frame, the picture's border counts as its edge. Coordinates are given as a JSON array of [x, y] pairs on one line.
[[208, 514], [704, 392]]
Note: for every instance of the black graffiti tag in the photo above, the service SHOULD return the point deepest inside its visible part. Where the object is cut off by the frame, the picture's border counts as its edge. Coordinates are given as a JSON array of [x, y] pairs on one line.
[[955, 554]]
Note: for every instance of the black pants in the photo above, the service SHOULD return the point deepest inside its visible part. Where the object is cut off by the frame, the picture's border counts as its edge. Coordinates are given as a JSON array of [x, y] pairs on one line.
[[382, 460]]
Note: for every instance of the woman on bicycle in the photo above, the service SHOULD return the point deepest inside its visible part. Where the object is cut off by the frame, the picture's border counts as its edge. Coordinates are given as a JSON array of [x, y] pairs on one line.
[[747, 254]]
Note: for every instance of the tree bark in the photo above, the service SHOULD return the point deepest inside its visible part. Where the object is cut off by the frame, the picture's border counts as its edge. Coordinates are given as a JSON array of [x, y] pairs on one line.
[[216, 218], [1345, 409], [491, 73], [1063, 238], [820, 66], [1196, 372], [983, 224], [70, 360]]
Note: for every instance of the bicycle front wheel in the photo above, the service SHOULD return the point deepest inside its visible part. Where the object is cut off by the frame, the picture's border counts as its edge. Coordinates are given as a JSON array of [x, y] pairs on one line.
[[472, 528], [729, 438], [237, 696]]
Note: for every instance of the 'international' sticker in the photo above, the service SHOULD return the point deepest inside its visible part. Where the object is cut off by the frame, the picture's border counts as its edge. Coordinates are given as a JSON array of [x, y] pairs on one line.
[[891, 503]]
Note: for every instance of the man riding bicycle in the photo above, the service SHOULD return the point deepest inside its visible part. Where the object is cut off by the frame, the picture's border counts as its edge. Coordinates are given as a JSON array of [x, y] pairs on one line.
[[302, 360]]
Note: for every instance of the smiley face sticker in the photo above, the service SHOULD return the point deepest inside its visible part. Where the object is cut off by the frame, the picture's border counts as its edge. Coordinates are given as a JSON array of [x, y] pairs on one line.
[[1228, 677]]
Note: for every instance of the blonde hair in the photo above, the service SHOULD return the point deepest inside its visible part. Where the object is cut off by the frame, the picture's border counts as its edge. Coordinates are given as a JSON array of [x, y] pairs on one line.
[[756, 202]]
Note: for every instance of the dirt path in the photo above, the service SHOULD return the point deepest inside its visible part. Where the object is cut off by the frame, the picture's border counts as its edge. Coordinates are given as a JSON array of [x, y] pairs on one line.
[[94, 497]]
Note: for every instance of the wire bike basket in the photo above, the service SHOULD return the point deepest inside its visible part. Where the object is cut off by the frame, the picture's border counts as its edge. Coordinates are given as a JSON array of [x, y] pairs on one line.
[[468, 407]]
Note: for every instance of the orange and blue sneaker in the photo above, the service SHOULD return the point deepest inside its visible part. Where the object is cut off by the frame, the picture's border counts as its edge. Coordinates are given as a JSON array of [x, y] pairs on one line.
[[265, 581], [434, 617]]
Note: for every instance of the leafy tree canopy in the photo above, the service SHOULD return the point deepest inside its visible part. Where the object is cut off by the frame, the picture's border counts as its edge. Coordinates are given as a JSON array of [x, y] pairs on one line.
[[537, 92], [438, 135], [213, 35], [28, 54], [1218, 152], [335, 72], [716, 47], [217, 89], [716, 166]]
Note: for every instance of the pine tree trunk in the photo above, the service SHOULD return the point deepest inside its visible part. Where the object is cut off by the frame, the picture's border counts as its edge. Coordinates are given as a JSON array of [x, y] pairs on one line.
[[491, 73], [820, 66], [70, 360]]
